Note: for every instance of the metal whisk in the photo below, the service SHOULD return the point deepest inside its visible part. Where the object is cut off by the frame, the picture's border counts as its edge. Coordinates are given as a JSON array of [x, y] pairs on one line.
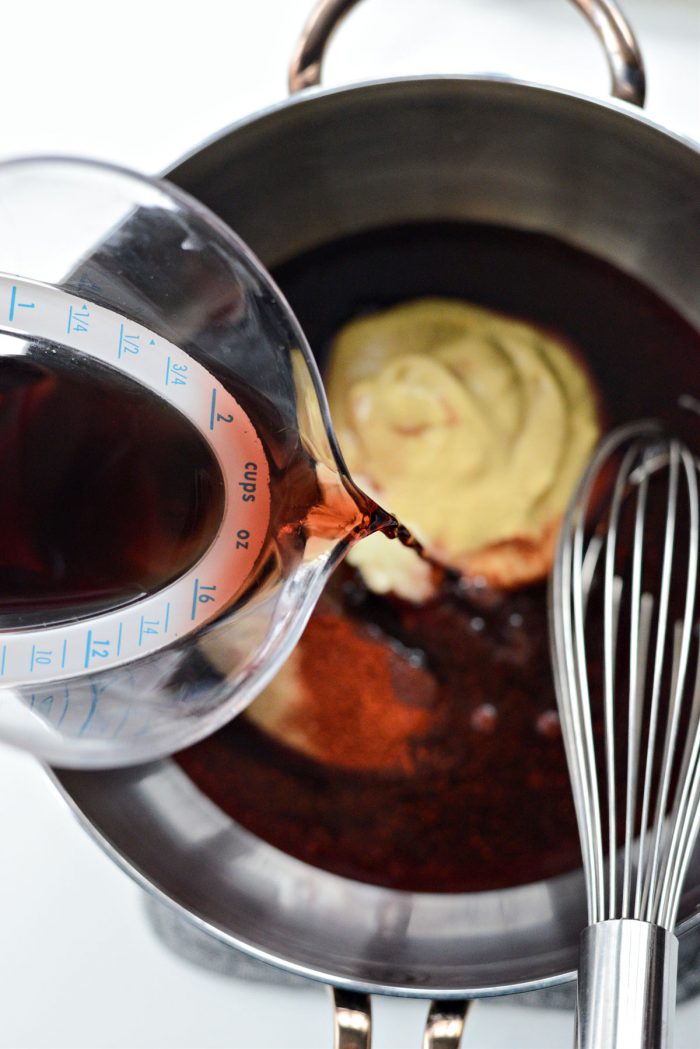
[[624, 636]]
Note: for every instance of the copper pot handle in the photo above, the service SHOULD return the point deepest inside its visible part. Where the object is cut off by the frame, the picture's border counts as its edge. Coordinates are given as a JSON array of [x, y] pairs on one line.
[[625, 61], [445, 1024], [353, 1019], [353, 1022]]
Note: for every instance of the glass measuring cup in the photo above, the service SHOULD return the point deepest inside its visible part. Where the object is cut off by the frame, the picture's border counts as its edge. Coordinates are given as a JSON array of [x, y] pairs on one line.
[[173, 498]]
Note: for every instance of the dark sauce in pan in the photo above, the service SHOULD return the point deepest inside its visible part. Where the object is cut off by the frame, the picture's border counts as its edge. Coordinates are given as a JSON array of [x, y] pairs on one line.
[[484, 801]]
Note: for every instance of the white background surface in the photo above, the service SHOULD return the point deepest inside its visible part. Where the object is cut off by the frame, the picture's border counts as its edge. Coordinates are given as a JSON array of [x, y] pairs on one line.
[[141, 83]]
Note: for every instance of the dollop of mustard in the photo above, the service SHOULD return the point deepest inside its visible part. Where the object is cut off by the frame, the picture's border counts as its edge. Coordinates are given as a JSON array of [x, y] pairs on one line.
[[470, 426]]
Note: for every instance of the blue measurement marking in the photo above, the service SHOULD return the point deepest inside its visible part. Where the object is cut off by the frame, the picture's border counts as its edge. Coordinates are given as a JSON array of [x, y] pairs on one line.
[[119, 639], [127, 343], [93, 707], [194, 598], [47, 703], [33, 701], [40, 656], [212, 416], [148, 626], [66, 704], [176, 375], [3, 659], [78, 319], [167, 617], [63, 653], [87, 284], [87, 649], [18, 305]]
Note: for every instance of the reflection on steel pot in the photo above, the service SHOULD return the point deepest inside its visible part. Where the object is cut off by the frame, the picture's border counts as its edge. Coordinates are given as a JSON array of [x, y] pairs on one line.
[[320, 166]]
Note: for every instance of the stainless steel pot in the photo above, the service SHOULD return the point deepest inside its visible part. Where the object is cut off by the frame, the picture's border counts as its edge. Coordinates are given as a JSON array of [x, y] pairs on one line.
[[320, 165]]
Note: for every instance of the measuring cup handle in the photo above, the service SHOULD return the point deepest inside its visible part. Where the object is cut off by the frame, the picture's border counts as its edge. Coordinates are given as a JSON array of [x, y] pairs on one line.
[[628, 81], [353, 1022]]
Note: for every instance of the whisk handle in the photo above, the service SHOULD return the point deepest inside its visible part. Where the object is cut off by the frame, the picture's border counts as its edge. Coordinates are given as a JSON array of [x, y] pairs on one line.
[[626, 986]]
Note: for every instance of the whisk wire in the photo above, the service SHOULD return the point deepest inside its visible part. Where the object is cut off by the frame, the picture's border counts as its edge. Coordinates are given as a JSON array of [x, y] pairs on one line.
[[686, 803], [646, 877], [577, 734], [587, 760], [685, 629], [681, 651], [662, 831], [628, 677], [640, 623], [656, 664], [646, 614], [612, 596]]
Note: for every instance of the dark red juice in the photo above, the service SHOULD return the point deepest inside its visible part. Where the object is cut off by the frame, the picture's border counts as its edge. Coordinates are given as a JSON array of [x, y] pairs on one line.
[[477, 795], [107, 492]]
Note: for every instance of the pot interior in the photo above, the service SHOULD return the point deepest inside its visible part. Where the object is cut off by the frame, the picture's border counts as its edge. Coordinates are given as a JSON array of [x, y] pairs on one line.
[[339, 164]]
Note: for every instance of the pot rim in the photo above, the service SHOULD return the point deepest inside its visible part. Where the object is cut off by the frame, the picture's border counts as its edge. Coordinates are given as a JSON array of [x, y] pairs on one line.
[[316, 974], [311, 94]]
